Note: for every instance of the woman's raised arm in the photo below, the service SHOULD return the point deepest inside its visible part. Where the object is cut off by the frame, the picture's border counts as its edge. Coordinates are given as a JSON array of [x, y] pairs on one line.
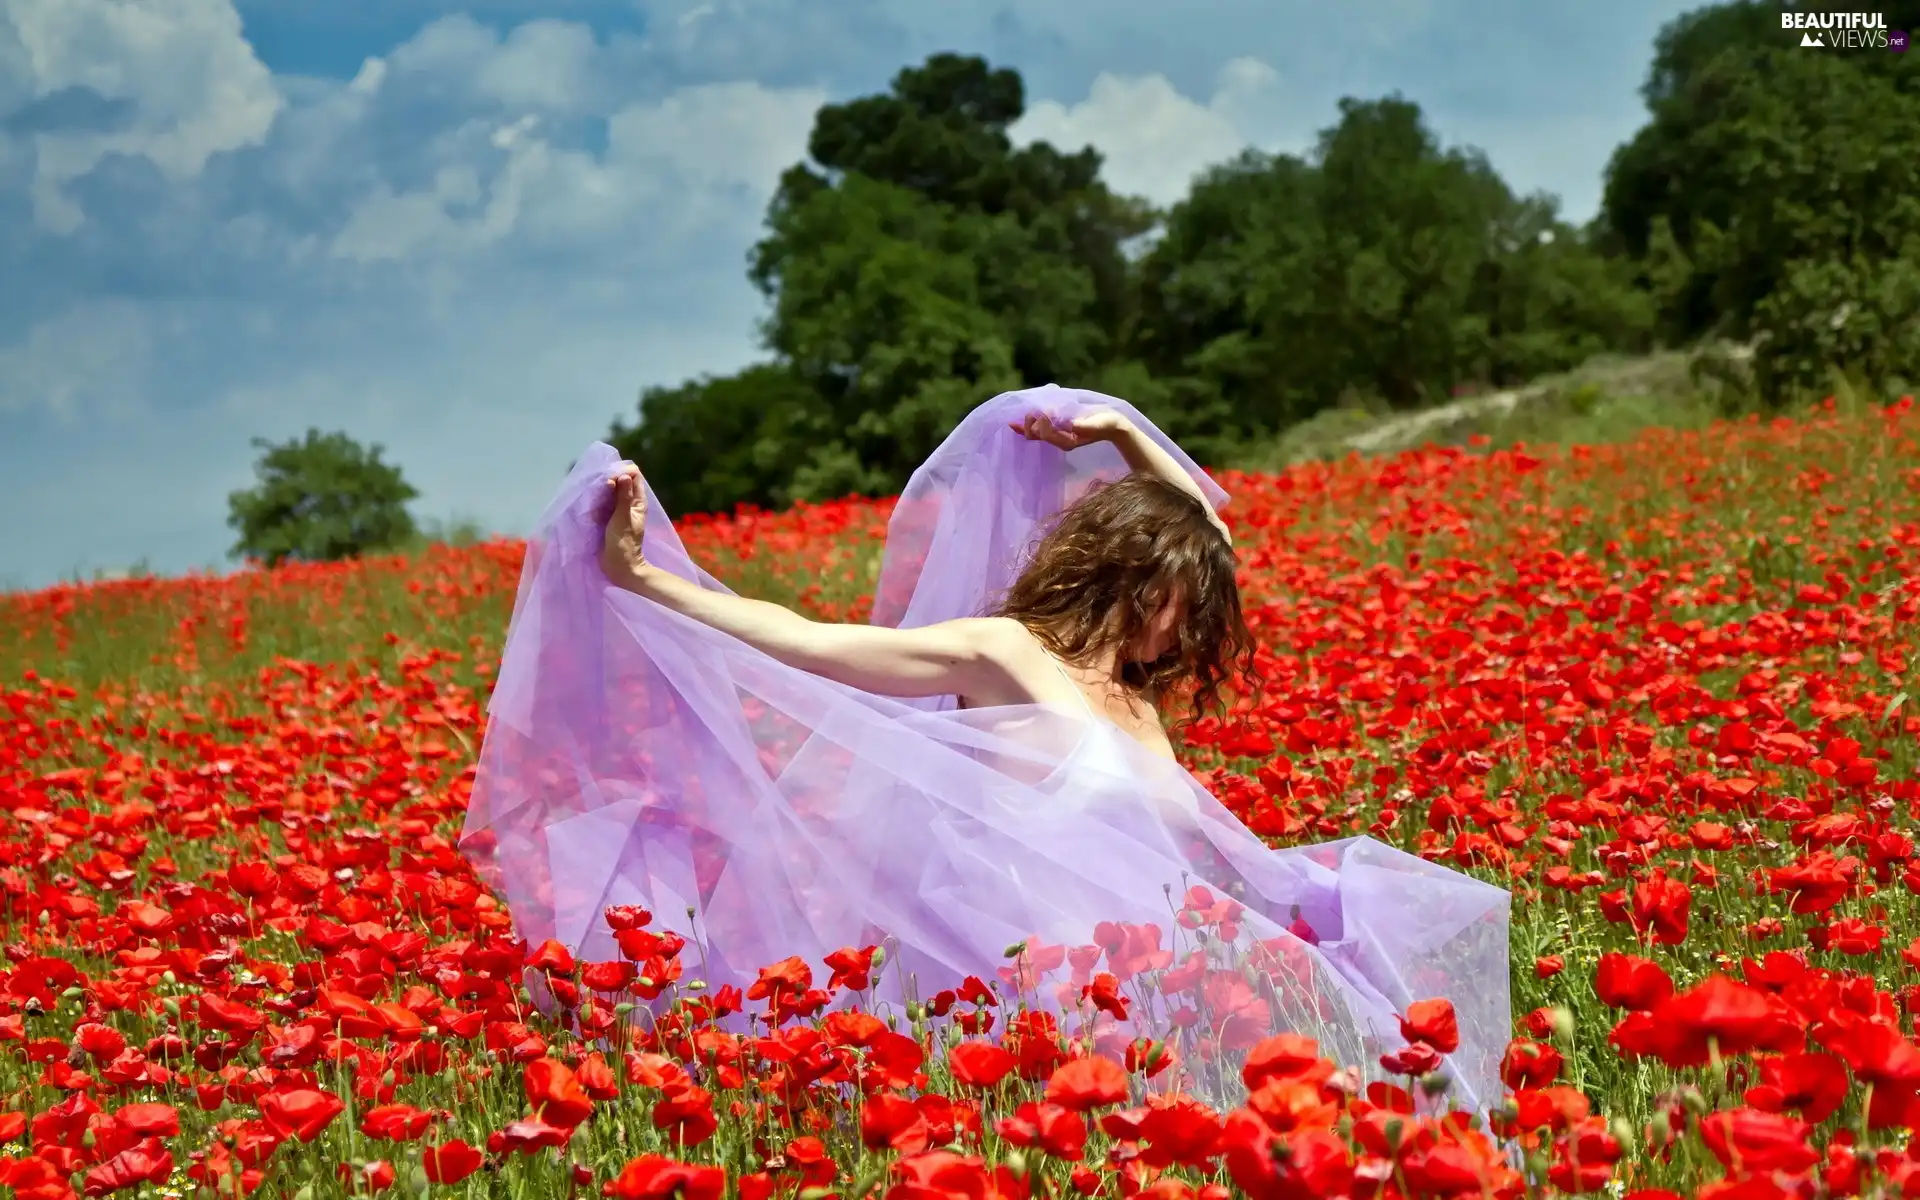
[[1140, 452], [957, 657], [960, 657]]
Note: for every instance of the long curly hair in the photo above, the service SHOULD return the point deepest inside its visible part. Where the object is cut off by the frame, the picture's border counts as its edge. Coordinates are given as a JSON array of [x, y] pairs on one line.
[[1102, 570]]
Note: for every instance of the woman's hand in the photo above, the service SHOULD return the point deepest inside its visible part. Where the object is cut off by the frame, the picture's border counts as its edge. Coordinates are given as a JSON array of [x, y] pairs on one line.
[[621, 553], [1102, 426], [963, 657], [1142, 455]]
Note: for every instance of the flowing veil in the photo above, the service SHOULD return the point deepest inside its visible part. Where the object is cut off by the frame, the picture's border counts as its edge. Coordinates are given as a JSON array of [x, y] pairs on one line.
[[636, 757]]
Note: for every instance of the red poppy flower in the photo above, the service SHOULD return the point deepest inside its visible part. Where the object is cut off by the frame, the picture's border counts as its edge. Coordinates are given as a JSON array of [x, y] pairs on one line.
[[1087, 1083], [656, 1177], [450, 1162], [1627, 981], [1432, 1022], [1056, 1129], [554, 1092], [980, 1064], [395, 1122]]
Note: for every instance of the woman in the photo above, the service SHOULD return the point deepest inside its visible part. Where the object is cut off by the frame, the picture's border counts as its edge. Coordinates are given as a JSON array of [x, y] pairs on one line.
[[979, 782], [1130, 594]]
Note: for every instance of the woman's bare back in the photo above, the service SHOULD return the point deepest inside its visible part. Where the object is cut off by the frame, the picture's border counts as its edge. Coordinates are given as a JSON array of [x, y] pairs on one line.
[[1031, 675]]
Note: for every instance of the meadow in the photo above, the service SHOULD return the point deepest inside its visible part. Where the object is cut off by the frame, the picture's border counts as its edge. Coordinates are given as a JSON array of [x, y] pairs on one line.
[[1661, 689]]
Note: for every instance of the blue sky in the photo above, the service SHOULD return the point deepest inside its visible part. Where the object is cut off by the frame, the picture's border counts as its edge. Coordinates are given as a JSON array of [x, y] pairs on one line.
[[472, 230]]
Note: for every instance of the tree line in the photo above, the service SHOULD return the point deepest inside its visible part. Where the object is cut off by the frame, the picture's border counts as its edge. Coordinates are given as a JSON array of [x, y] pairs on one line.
[[920, 261]]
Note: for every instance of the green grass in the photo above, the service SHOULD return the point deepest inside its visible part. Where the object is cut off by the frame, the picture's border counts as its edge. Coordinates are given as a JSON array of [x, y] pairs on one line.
[[1609, 400]]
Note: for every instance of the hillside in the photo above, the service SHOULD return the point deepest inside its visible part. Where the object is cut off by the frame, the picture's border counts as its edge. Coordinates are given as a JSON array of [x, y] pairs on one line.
[[1605, 400]]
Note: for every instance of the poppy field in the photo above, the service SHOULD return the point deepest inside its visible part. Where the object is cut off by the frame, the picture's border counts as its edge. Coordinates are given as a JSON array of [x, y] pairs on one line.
[[1667, 692]]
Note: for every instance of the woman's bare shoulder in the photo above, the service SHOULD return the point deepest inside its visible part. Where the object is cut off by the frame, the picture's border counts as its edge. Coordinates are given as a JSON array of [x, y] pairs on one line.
[[1002, 638], [1145, 725], [1019, 664]]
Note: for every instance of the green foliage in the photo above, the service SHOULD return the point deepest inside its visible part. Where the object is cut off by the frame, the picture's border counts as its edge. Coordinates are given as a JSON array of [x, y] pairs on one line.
[[457, 532], [323, 498], [927, 263], [1611, 398], [1775, 197], [720, 441], [919, 262], [1384, 266]]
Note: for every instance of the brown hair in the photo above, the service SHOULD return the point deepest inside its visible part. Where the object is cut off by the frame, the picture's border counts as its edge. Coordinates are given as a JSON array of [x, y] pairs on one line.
[[1100, 572]]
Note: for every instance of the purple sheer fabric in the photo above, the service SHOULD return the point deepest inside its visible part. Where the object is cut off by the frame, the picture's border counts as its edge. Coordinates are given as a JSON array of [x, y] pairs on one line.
[[634, 756]]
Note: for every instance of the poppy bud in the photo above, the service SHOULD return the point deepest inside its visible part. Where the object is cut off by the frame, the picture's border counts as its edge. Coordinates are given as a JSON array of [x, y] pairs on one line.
[[1436, 1083], [1017, 1163], [1561, 1021], [1014, 951]]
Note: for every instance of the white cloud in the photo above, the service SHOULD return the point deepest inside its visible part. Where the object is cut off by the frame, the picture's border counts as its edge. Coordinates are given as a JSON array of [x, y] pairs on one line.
[[455, 213], [548, 65], [434, 254], [451, 47], [1153, 139], [542, 64], [88, 359], [666, 159], [480, 244], [187, 81], [717, 135], [527, 178]]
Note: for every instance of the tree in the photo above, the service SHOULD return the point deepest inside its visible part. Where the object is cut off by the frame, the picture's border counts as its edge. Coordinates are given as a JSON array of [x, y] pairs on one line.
[[1769, 196], [1407, 227], [921, 263], [324, 498], [1550, 299], [714, 443], [1226, 300], [1382, 265], [918, 262], [1819, 261]]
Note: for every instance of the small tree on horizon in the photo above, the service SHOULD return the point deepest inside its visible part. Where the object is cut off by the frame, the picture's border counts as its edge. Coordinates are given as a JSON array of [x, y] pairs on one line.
[[320, 499]]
